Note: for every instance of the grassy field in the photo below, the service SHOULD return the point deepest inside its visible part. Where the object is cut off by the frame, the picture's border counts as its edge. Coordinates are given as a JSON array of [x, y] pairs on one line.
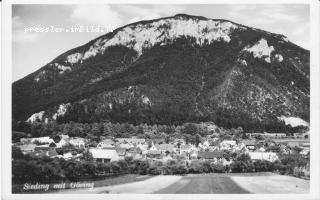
[[233, 183], [237, 183], [204, 184], [128, 178], [269, 183]]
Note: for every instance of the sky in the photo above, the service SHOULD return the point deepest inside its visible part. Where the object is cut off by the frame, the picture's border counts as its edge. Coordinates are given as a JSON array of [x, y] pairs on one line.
[[32, 50]]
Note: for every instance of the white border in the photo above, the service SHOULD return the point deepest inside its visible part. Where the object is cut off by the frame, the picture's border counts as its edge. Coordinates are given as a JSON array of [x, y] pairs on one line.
[[6, 104]]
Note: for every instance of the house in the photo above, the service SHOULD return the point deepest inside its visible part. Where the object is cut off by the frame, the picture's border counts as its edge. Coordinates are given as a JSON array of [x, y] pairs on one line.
[[305, 148], [42, 140], [63, 136], [133, 152], [45, 147], [293, 144], [193, 155], [275, 135], [166, 148], [249, 144], [153, 147], [185, 149], [284, 149], [178, 142], [126, 145], [208, 155], [77, 142], [107, 143], [214, 156], [63, 142], [167, 158], [27, 148], [52, 153], [154, 154], [25, 140], [138, 156], [69, 155], [269, 156], [143, 148], [121, 152], [104, 155], [227, 144]]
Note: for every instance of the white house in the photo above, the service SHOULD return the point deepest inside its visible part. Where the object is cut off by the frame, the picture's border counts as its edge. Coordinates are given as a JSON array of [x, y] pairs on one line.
[[104, 155], [107, 143], [126, 145], [62, 142], [153, 147], [269, 156], [77, 142], [27, 148], [227, 144], [44, 140]]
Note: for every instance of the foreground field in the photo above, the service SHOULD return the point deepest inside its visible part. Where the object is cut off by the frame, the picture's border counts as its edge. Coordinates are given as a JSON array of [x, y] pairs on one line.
[[149, 185], [263, 183], [204, 184], [275, 184]]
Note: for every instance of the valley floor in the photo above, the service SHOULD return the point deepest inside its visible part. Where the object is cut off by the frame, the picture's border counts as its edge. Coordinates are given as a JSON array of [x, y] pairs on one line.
[[260, 183]]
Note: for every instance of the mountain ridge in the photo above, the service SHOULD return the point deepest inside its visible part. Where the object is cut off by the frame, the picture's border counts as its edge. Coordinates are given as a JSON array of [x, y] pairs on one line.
[[217, 48]]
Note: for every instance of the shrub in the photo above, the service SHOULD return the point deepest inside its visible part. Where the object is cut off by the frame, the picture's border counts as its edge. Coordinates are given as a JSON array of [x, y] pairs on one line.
[[218, 168], [206, 166], [263, 166], [154, 170], [195, 167]]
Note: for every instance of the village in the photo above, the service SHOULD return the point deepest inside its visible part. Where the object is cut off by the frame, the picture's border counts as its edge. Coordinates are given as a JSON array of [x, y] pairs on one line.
[[259, 146]]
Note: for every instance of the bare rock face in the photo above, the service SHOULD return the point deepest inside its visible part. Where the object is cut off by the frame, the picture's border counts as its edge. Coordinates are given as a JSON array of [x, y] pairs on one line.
[[169, 71]]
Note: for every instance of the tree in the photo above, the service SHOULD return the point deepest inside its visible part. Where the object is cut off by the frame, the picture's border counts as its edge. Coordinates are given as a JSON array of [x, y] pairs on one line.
[[190, 129], [242, 163], [16, 153], [197, 140], [87, 155]]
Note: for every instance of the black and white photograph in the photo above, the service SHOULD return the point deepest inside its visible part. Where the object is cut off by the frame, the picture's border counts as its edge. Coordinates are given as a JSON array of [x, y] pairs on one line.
[[161, 98]]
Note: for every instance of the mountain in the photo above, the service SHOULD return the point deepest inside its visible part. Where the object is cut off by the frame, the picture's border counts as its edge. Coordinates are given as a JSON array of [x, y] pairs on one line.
[[170, 71]]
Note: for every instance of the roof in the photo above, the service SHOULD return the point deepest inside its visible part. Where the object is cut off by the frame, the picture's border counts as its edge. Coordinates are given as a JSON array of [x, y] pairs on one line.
[[154, 152], [165, 147], [125, 145], [27, 147], [46, 139], [263, 156], [103, 153], [229, 142], [121, 151], [52, 153], [185, 147], [210, 154], [135, 150], [131, 140], [107, 142], [43, 148], [293, 144], [76, 140], [249, 142]]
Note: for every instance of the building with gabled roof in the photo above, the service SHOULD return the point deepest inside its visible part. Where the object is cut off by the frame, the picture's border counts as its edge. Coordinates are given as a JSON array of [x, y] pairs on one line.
[[106, 143], [269, 156], [104, 155]]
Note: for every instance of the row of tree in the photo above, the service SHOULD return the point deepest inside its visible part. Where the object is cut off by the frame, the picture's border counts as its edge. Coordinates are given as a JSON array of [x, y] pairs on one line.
[[191, 132]]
